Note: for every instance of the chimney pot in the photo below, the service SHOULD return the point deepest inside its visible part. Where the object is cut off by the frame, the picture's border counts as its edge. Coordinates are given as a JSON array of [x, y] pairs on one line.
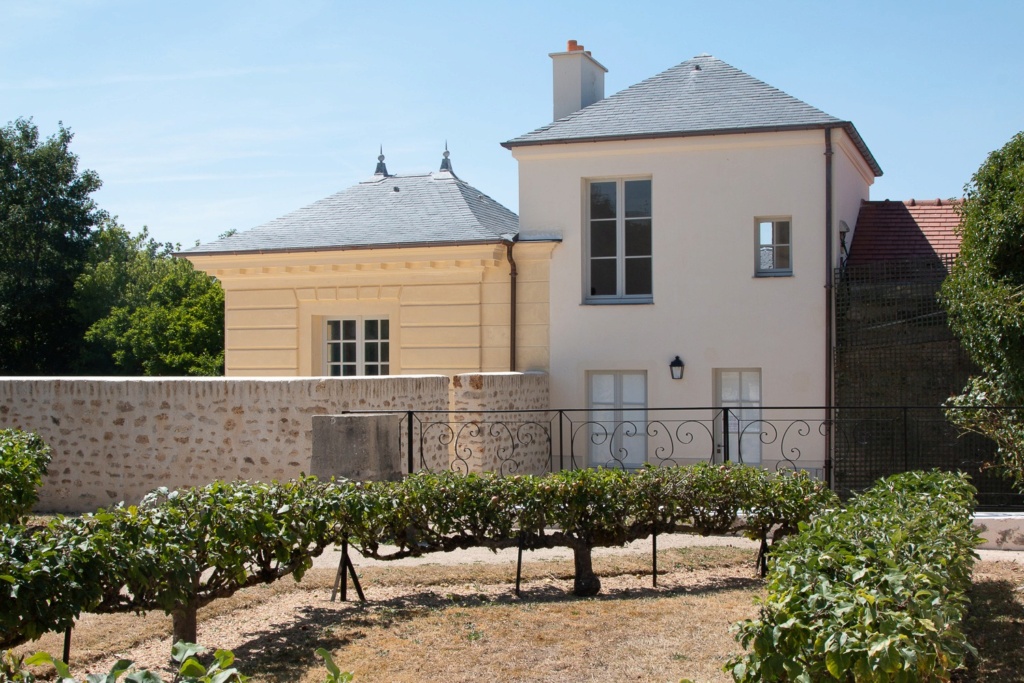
[[578, 79]]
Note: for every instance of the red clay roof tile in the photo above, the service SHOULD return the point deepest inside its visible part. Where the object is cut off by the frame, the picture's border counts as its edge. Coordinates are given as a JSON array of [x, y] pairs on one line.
[[914, 229]]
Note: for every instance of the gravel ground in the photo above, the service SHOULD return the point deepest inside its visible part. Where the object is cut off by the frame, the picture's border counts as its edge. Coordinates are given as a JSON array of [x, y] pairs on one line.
[[332, 557]]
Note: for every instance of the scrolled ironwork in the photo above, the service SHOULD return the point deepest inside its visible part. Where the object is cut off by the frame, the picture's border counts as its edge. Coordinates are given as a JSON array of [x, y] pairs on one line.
[[803, 429]]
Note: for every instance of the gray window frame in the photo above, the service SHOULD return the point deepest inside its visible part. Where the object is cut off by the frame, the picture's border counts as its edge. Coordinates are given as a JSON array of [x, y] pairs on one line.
[[759, 270], [620, 297]]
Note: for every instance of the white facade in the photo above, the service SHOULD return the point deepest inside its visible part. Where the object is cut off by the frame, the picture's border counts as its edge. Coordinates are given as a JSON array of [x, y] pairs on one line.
[[707, 306]]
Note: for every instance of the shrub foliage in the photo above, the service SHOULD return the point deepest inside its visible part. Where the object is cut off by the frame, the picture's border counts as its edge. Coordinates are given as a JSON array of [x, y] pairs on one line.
[[23, 461], [875, 592], [180, 550]]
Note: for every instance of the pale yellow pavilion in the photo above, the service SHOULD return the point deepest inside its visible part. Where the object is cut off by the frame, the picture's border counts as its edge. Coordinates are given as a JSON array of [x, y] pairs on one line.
[[413, 274]]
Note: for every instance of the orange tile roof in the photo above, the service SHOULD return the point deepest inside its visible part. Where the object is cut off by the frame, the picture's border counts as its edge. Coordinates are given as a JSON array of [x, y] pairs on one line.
[[914, 229]]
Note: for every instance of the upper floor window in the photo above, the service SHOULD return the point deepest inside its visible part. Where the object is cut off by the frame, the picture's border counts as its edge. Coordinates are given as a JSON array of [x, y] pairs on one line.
[[357, 346], [773, 256], [618, 242]]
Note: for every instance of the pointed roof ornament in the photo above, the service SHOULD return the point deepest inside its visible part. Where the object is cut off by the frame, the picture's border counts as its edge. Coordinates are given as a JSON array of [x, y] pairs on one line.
[[445, 164], [382, 170]]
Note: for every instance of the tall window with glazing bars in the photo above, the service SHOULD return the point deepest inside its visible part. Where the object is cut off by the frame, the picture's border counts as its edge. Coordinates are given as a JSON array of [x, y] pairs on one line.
[[618, 242]]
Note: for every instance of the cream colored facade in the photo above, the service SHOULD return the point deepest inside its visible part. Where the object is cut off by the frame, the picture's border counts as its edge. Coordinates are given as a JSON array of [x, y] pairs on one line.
[[709, 307], [448, 306]]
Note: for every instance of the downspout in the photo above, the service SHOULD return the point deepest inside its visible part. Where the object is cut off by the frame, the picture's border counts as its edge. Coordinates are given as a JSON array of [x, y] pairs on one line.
[[513, 274], [829, 280]]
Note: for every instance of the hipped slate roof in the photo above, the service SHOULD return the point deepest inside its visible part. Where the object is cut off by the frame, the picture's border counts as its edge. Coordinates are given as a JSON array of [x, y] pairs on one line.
[[701, 96], [389, 211], [896, 231]]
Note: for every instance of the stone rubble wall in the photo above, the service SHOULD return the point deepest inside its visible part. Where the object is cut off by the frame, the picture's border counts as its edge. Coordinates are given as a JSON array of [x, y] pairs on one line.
[[514, 442], [116, 439]]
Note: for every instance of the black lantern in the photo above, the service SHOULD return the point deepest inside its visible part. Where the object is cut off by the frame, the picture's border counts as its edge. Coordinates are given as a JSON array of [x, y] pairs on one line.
[[676, 368]]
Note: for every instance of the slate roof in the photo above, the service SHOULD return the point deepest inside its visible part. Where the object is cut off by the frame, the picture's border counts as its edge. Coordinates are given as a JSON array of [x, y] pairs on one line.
[[896, 231], [701, 96], [388, 211]]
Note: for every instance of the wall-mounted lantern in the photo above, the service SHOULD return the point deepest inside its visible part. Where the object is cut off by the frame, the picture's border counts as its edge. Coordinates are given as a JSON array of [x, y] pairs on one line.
[[676, 368]]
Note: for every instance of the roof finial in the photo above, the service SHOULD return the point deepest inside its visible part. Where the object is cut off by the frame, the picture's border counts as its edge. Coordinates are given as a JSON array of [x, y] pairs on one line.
[[445, 164], [381, 168]]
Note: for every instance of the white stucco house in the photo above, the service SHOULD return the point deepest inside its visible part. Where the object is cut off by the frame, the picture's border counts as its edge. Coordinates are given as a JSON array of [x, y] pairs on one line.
[[698, 214]]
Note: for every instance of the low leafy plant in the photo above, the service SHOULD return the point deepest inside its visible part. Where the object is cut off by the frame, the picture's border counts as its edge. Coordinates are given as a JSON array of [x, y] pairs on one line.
[[190, 669], [875, 592], [24, 457]]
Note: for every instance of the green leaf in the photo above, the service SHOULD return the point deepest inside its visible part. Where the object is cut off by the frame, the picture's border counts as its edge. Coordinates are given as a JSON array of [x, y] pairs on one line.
[[192, 667], [332, 668], [181, 651]]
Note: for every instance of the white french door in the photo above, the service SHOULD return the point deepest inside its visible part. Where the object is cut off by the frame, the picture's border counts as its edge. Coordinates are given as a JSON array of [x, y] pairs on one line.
[[618, 416], [738, 391]]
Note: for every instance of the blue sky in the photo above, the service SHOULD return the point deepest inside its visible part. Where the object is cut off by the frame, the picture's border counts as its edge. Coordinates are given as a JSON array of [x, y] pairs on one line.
[[205, 116]]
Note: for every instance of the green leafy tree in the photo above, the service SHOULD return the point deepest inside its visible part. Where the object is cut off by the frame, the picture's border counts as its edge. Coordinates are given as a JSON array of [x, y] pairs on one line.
[[148, 313], [47, 215], [984, 296]]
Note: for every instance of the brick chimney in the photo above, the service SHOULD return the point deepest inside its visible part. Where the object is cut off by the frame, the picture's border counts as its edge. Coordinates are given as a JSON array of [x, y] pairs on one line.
[[578, 79]]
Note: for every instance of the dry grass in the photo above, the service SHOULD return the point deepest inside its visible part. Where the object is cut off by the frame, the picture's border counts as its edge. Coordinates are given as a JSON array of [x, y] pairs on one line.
[[464, 623], [996, 623]]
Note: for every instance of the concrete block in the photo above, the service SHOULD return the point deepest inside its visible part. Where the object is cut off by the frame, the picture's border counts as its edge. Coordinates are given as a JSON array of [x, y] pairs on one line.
[[361, 447]]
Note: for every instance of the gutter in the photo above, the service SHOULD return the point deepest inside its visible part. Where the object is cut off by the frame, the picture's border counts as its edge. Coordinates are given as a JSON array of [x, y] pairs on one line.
[[353, 247], [829, 281], [513, 276]]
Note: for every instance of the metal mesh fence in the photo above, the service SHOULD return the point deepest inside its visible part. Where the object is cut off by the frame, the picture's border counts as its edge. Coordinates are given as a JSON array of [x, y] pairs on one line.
[[894, 348]]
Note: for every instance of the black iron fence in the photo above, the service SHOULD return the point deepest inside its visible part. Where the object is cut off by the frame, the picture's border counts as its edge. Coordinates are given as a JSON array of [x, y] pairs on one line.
[[849, 447]]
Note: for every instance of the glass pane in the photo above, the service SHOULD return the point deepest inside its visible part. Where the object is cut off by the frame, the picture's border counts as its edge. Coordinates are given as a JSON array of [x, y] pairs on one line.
[[638, 238], [638, 198], [638, 276], [370, 329], [349, 370], [334, 353], [602, 238], [602, 389], [782, 258], [371, 353], [348, 350], [729, 385], [752, 387], [348, 329], [371, 370], [385, 352], [767, 260], [334, 371], [602, 200], [781, 232], [764, 232], [750, 444], [602, 277], [385, 329], [634, 389], [385, 369], [333, 330]]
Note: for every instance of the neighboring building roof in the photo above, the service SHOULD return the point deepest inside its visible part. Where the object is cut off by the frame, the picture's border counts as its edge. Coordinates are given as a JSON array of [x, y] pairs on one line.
[[387, 211], [914, 229], [701, 96]]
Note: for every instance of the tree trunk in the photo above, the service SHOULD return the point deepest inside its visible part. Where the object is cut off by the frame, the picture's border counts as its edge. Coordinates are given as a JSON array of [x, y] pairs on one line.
[[586, 582], [185, 624]]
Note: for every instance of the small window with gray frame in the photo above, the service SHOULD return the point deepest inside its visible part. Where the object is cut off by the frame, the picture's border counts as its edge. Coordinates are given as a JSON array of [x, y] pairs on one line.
[[774, 248]]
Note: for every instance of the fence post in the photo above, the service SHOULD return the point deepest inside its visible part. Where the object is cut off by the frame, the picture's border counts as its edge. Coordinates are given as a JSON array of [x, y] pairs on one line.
[[725, 434], [409, 447], [906, 447], [561, 441]]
